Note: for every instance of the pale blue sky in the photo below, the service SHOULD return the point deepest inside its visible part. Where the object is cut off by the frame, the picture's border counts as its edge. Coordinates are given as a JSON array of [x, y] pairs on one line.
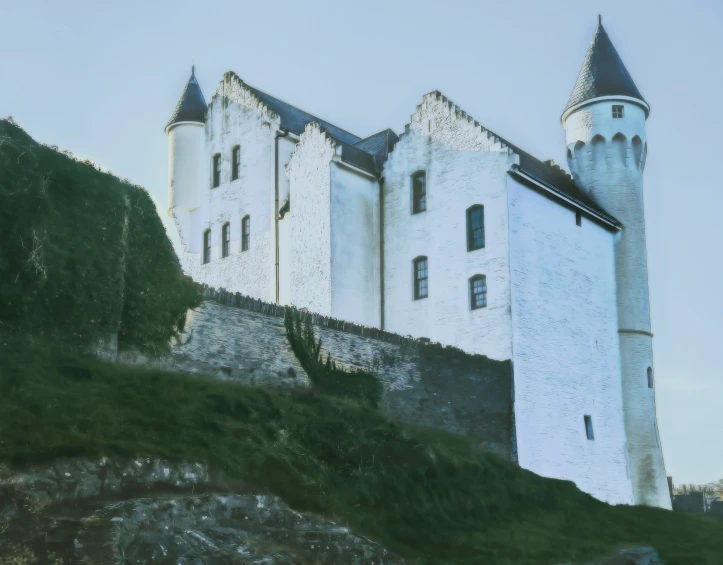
[[101, 80]]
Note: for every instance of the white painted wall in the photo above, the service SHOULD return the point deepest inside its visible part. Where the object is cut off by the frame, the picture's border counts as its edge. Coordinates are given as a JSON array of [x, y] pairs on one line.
[[610, 169], [185, 148], [565, 342], [310, 250], [464, 167], [355, 259]]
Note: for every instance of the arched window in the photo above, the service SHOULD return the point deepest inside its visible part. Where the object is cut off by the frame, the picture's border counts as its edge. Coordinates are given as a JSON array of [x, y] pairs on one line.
[[225, 239], [619, 148], [475, 227], [206, 246], [421, 278], [598, 150], [478, 291], [419, 192], [637, 150], [245, 233], [650, 377], [216, 170], [235, 162]]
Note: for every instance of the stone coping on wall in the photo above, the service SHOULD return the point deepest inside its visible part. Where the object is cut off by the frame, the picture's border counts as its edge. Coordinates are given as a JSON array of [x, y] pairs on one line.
[[238, 300]]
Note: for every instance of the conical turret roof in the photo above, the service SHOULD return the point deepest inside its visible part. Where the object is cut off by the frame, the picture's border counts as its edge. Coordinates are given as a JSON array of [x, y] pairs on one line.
[[191, 106], [603, 73]]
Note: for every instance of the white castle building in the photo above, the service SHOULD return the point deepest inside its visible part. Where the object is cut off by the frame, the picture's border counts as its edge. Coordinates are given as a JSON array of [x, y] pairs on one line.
[[450, 232]]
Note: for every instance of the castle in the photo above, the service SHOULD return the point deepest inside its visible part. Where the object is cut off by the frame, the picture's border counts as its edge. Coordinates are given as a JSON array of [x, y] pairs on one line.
[[450, 232]]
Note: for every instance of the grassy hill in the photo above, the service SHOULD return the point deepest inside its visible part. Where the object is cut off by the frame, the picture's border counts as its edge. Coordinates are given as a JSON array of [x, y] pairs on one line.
[[83, 254], [426, 495]]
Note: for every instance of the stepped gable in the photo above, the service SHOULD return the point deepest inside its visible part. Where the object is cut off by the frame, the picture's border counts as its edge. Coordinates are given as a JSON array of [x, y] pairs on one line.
[[603, 73], [547, 173]]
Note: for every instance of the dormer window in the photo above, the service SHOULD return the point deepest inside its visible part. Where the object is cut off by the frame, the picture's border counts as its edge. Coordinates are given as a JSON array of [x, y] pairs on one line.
[[617, 111], [235, 162], [216, 170], [419, 192]]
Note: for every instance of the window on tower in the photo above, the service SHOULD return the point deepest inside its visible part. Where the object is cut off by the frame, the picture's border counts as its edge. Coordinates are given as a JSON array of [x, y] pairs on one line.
[[235, 162], [478, 291], [421, 286], [419, 192], [650, 377], [475, 227], [206, 246], [226, 239], [245, 233], [588, 428], [617, 111], [216, 170]]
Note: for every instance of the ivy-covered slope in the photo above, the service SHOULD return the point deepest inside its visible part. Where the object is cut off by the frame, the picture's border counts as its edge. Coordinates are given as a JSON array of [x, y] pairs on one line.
[[82, 253]]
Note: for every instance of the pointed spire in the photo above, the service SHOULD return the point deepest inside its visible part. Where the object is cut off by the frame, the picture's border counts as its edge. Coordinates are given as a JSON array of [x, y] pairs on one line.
[[191, 107], [603, 73]]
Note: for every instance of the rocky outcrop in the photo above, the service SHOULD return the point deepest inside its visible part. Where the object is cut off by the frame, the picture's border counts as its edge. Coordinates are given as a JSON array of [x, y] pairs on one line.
[[630, 556], [149, 510]]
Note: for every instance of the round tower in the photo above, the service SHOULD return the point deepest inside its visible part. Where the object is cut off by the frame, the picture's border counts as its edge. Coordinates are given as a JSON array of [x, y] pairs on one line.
[[185, 132], [604, 122]]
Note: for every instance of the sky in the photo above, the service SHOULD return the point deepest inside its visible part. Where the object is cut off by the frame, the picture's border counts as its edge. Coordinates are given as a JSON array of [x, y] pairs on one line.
[[100, 79]]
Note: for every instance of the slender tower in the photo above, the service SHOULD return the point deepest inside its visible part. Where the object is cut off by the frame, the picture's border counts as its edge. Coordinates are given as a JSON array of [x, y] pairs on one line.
[[185, 132], [604, 123]]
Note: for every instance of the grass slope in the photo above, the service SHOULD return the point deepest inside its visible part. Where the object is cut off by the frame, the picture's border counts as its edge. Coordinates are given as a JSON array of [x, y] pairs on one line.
[[427, 495]]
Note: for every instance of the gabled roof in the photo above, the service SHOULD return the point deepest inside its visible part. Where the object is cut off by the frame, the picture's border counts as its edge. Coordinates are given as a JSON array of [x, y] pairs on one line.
[[191, 107], [295, 120], [603, 73]]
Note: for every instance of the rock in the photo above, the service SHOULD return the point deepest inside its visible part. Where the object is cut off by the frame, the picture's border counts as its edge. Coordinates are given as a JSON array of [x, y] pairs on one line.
[[630, 556]]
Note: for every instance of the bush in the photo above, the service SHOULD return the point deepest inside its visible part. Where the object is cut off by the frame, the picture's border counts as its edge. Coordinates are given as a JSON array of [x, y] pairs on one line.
[[83, 254], [326, 376]]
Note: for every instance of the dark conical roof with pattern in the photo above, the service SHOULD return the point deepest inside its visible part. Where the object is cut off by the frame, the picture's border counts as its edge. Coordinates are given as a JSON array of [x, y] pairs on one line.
[[191, 106], [602, 73]]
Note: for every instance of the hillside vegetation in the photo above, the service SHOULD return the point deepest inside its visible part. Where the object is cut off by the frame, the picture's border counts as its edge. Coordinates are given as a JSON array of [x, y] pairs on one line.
[[429, 496], [82, 253]]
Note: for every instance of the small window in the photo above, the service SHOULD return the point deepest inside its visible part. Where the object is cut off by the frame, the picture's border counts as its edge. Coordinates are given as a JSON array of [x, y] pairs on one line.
[[588, 428], [650, 377], [235, 162], [206, 246], [245, 233], [478, 291], [421, 287], [617, 111], [419, 192], [578, 218], [216, 170], [475, 227], [226, 240]]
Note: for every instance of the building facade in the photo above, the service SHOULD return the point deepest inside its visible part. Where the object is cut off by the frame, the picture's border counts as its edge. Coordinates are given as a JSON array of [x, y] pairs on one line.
[[451, 233]]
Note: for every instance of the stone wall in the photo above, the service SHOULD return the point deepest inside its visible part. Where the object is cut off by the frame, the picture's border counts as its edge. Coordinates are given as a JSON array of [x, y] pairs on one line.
[[238, 338]]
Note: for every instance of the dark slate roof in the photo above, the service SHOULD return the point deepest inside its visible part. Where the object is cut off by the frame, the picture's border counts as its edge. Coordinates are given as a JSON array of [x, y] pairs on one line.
[[191, 106], [603, 73], [295, 120]]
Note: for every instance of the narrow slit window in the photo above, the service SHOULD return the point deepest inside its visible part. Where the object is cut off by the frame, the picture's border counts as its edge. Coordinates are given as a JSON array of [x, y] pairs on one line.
[[421, 287], [245, 233], [226, 240], [475, 227], [235, 162], [216, 170], [206, 246], [588, 428], [650, 377], [578, 218], [419, 192], [478, 291], [617, 111]]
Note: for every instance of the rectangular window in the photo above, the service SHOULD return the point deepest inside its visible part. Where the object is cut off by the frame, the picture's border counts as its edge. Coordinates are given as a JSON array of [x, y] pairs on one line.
[[478, 291], [226, 240], [419, 192], [245, 233], [235, 162], [578, 218], [617, 111], [421, 287], [206, 246], [475, 228], [216, 170], [588, 428]]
